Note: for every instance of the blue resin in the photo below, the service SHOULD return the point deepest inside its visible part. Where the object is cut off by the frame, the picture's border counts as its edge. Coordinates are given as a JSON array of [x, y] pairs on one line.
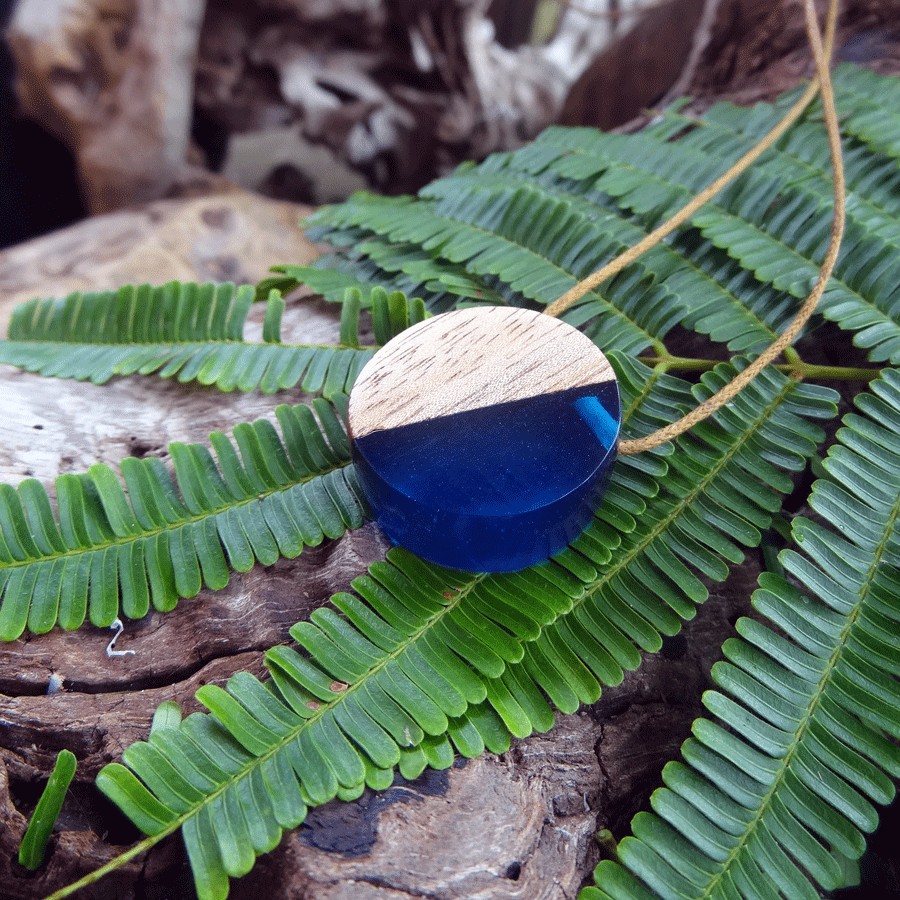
[[494, 489], [598, 419]]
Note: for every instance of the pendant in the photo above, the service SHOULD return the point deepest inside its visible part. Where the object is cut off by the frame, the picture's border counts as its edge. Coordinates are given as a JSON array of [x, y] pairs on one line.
[[483, 438]]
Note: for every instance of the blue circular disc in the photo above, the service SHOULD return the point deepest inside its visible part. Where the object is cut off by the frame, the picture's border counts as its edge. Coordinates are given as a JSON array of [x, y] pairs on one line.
[[483, 438]]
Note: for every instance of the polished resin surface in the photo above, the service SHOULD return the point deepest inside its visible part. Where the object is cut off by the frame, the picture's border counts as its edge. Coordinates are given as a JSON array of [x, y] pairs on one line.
[[496, 488], [483, 437]]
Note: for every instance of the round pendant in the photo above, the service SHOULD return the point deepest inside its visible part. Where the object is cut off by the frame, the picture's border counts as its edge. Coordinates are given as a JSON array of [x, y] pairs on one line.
[[483, 438]]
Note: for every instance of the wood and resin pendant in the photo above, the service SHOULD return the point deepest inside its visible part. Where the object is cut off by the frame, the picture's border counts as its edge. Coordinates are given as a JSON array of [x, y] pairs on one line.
[[483, 438]]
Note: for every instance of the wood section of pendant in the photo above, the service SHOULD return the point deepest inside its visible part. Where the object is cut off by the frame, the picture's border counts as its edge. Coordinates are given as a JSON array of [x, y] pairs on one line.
[[483, 438]]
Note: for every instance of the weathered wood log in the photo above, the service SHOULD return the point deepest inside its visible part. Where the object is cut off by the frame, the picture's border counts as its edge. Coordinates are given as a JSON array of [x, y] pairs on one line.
[[113, 80], [519, 825], [230, 236]]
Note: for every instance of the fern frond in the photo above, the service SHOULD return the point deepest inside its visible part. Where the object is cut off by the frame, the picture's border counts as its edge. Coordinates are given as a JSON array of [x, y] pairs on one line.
[[785, 780], [722, 485], [774, 220], [190, 332], [405, 267], [871, 177], [420, 661], [322, 727], [116, 551], [497, 235], [873, 100], [533, 221], [706, 282]]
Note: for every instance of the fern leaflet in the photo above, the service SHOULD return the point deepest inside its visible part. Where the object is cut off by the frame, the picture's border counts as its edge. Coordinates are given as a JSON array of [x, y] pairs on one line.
[[110, 552], [783, 782], [190, 332]]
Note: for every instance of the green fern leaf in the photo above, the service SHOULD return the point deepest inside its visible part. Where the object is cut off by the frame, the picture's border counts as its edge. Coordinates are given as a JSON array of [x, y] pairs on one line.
[[492, 245], [189, 332], [405, 267], [785, 780], [34, 842], [421, 662], [873, 101], [775, 219], [118, 549]]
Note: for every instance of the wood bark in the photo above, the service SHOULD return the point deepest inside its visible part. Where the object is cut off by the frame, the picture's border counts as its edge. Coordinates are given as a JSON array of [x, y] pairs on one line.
[[297, 99], [515, 826], [745, 51], [112, 78]]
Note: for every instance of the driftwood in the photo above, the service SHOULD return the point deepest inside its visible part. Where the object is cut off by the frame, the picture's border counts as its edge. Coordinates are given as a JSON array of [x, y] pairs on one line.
[[744, 51], [112, 80], [231, 236], [301, 100], [515, 826]]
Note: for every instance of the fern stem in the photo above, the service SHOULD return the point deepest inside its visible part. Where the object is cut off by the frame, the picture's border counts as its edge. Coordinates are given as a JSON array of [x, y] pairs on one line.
[[792, 356], [798, 368], [115, 863], [829, 373], [678, 363]]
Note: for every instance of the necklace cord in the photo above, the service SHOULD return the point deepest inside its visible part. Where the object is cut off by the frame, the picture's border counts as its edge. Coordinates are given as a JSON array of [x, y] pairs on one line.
[[821, 84]]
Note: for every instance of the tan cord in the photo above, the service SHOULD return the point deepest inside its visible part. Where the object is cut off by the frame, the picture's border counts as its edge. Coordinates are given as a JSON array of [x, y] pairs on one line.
[[823, 83], [721, 397], [614, 266]]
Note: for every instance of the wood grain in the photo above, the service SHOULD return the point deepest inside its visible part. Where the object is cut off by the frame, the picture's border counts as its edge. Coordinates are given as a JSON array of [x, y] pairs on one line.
[[471, 359]]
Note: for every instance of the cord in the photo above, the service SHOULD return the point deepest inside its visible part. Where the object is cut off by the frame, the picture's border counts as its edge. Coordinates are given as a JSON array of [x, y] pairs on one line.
[[821, 84]]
